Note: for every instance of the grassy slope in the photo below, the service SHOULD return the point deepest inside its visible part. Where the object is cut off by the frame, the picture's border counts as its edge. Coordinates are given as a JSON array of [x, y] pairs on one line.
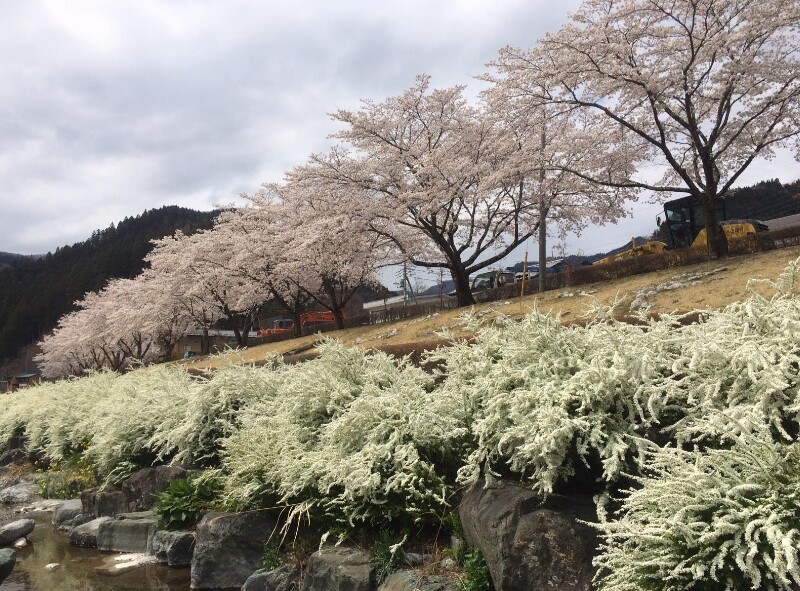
[[713, 291]]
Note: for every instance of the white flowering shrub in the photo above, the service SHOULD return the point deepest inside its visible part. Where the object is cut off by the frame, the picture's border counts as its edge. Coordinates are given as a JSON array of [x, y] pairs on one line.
[[158, 412], [211, 412], [720, 519], [350, 435], [539, 395]]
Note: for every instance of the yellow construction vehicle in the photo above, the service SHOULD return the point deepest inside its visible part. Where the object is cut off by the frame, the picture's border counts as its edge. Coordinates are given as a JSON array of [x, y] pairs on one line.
[[685, 224], [651, 247]]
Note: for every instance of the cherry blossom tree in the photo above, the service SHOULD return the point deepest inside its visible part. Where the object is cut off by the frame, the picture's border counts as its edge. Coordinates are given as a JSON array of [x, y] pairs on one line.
[[266, 229], [704, 86], [303, 247], [145, 316], [207, 284], [72, 348], [336, 250], [419, 169], [104, 332]]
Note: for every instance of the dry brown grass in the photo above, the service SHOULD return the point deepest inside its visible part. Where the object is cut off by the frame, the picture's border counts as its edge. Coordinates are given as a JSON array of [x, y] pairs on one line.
[[411, 336]]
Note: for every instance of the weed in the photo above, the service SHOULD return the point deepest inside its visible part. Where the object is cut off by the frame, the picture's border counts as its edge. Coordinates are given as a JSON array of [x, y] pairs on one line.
[[120, 473], [271, 555], [387, 555], [66, 480]]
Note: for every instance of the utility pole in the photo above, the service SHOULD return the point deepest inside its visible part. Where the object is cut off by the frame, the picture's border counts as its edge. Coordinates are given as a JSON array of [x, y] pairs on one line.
[[542, 222], [405, 284]]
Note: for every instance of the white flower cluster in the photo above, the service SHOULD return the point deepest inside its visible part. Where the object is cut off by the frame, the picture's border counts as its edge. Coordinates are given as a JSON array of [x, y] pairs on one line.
[[725, 518], [357, 435]]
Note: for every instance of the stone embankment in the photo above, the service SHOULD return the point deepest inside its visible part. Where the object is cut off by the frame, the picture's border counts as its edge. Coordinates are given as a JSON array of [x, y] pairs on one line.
[[528, 543]]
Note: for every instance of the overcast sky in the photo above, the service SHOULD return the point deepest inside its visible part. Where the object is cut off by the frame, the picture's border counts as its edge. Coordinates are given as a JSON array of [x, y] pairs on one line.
[[109, 108]]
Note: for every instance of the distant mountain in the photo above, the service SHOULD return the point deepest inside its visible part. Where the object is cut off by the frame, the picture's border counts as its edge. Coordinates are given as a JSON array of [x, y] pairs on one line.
[[36, 292], [8, 259], [448, 285]]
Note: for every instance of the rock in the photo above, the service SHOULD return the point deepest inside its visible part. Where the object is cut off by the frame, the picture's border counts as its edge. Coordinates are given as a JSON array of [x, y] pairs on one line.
[[414, 559], [228, 548], [409, 580], [7, 560], [21, 543], [129, 532], [173, 547], [11, 532], [79, 519], [120, 563], [338, 569], [52, 566], [41, 506], [13, 456], [528, 543], [283, 578], [107, 502], [86, 535], [16, 442], [138, 490], [66, 511], [24, 492]]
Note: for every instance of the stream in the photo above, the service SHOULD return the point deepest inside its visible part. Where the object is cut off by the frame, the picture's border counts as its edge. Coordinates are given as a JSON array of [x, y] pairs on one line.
[[77, 570]]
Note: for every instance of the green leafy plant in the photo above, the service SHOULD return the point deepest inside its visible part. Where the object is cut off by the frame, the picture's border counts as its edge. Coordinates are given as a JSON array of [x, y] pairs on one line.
[[271, 555], [476, 572], [387, 555], [185, 501]]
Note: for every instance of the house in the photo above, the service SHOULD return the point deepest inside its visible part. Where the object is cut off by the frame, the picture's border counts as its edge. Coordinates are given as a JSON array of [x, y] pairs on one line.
[[19, 381]]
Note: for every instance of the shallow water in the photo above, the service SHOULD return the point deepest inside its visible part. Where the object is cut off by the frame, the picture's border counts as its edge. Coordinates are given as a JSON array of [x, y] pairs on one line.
[[77, 570]]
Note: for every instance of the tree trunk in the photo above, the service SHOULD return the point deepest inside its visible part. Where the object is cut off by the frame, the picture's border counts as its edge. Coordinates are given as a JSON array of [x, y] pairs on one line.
[[542, 248], [205, 347], [714, 234], [464, 295], [334, 304], [298, 328]]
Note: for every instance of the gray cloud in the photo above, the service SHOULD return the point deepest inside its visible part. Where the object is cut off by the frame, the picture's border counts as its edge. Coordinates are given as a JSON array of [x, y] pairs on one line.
[[110, 108]]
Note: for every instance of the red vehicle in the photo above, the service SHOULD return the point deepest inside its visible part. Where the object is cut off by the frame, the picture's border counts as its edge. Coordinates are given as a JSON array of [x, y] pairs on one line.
[[308, 322]]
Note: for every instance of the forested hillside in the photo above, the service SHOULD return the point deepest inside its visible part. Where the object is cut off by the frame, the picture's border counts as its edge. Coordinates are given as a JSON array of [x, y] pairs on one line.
[[34, 294], [766, 200]]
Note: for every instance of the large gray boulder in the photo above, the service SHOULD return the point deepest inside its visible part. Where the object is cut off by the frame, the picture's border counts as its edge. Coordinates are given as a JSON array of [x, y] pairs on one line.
[[530, 543], [103, 502], [283, 578], [66, 511], [228, 548], [139, 489], [86, 535], [338, 569], [128, 532], [11, 532], [13, 456], [7, 560], [173, 547], [24, 492], [409, 580]]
